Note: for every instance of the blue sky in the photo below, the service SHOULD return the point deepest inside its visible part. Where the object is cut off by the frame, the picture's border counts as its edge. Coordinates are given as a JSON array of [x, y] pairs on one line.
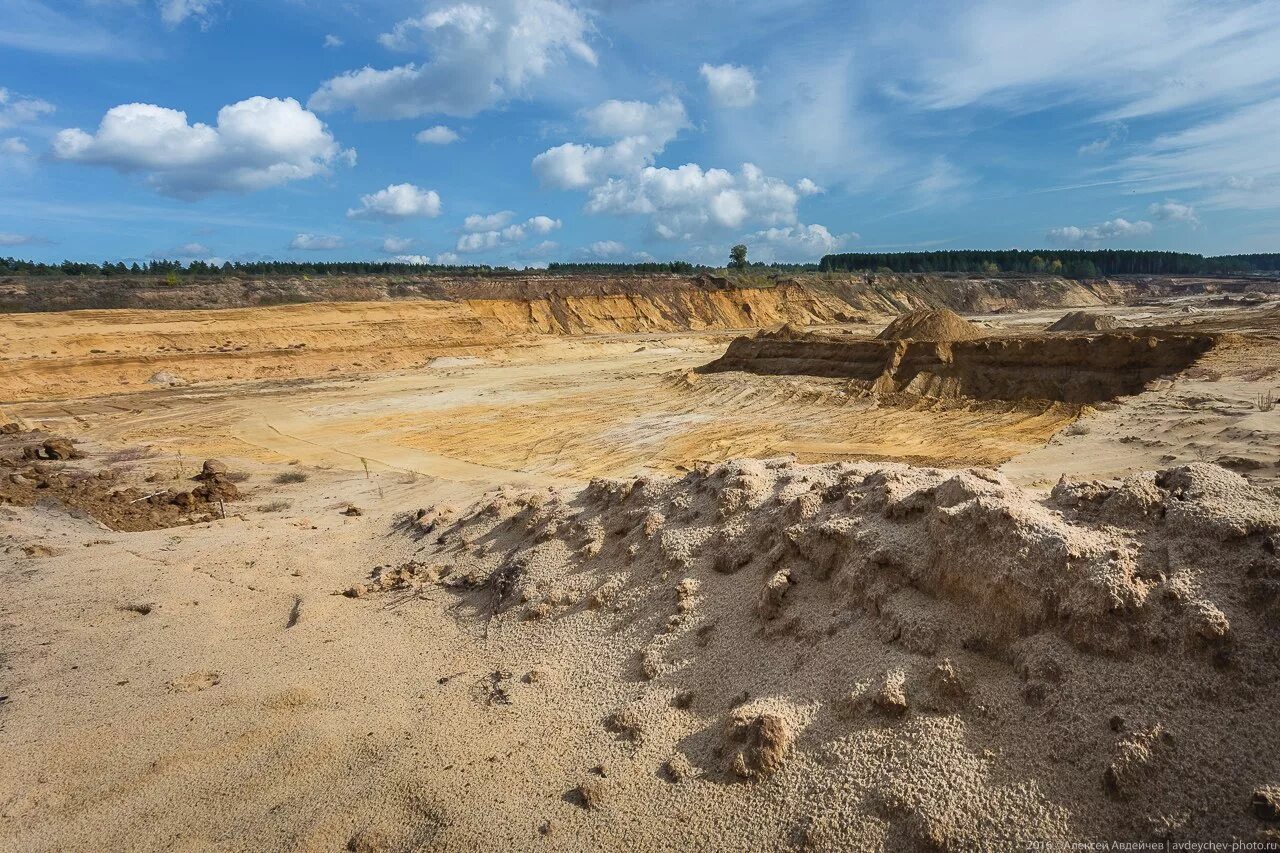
[[522, 131]]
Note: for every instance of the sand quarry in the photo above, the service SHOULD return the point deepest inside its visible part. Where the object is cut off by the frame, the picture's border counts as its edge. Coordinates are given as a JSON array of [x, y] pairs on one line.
[[667, 565]]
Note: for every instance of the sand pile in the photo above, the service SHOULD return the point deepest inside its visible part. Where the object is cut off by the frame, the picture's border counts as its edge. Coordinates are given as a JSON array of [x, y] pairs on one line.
[[940, 325], [1084, 321], [871, 656]]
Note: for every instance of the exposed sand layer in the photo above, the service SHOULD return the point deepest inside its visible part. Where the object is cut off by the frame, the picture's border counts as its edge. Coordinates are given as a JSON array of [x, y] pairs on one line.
[[1078, 369], [572, 411], [92, 352]]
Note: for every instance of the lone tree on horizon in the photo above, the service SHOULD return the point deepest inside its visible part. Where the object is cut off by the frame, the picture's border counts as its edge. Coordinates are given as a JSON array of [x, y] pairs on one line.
[[738, 257]]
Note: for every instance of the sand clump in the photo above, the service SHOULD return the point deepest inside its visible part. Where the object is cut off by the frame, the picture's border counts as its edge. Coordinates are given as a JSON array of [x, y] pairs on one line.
[[35, 468], [931, 325], [1084, 321], [938, 657]]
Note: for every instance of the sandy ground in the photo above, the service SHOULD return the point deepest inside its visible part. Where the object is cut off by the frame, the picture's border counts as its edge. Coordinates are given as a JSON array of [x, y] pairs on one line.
[[388, 723]]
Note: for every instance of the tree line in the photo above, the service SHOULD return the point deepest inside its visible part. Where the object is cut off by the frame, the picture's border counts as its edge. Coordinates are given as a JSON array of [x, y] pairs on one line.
[[164, 268], [1069, 263]]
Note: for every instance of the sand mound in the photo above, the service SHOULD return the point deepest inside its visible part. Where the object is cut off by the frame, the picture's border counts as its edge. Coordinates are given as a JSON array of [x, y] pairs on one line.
[[941, 325], [903, 658], [1084, 321]]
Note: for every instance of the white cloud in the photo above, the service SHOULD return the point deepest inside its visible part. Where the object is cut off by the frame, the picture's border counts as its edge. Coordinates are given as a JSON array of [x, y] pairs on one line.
[[1112, 229], [796, 242], [316, 242], [174, 12], [807, 187], [184, 252], [621, 178], [687, 201], [1232, 157], [447, 259], [397, 245], [481, 241], [659, 122], [487, 232], [438, 135], [14, 146], [333, 41], [490, 222], [9, 239], [1026, 54], [606, 249], [1116, 133], [541, 250], [1173, 211], [479, 53], [257, 143], [642, 131], [730, 86], [16, 110], [418, 260], [543, 224], [398, 201]]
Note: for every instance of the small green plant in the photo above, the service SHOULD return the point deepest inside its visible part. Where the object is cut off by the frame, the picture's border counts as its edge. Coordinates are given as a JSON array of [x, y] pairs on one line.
[[286, 477]]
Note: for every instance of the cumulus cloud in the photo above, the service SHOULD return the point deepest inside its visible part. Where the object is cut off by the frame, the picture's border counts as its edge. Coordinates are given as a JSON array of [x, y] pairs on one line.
[[542, 224], [477, 54], [606, 249], [398, 201], [316, 242], [487, 222], [397, 245], [689, 200], [16, 110], [256, 144], [730, 86], [641, 131], [174, 12], [438, 135], [488, 232], [1112, 229], [333, 41], [1173, 211], [807, 187], [14, 146], [447, 259], [796, 242], [417, 260], [183, 252], [621, 178]]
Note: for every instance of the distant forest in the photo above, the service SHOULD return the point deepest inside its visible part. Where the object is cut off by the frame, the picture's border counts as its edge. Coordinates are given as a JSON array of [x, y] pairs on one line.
[[1072, 264], [106, 269]]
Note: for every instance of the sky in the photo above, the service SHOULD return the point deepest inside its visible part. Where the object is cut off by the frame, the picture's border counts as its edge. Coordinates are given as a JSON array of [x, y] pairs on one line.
[[518, 132]]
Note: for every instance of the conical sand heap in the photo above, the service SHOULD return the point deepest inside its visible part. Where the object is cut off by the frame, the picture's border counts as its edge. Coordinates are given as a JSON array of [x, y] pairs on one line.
[[931, 325], [1085, 321]]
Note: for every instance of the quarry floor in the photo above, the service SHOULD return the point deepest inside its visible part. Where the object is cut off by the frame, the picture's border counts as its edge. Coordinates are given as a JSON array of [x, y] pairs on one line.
[[210, 723]]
